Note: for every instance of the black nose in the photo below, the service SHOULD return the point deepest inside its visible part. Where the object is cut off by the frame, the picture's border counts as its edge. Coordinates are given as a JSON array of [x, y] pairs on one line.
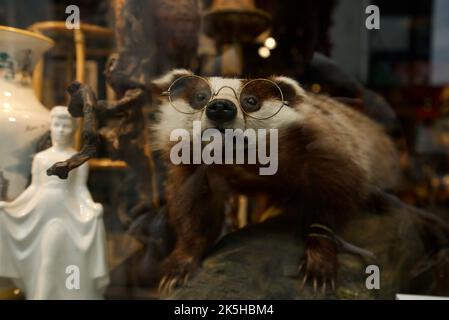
[[221, 110]]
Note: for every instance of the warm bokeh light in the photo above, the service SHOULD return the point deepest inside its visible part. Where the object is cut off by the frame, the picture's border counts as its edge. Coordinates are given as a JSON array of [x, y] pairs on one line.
[[270, 43], [264, 52]]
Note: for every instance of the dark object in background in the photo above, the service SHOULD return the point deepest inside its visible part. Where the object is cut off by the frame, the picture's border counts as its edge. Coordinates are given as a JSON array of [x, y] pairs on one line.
[[82, 104], [343, 87], [143, 268], [153, 36], [234, 21]]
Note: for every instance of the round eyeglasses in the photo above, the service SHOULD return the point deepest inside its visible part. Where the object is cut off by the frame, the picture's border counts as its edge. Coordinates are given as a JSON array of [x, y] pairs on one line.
[[196, 92]]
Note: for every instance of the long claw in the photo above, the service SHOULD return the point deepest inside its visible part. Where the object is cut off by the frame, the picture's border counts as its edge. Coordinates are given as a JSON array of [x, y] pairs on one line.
[[162, 284], [185, 278], [172, 285], [300, 267], [315, 284], [333, 284]]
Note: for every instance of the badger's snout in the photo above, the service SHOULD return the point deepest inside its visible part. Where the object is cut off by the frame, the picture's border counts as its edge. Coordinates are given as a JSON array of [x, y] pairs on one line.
[[221, 110]]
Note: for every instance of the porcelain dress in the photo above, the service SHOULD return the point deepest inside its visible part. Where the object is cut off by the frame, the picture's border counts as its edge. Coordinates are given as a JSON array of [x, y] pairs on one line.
[[52, 237]]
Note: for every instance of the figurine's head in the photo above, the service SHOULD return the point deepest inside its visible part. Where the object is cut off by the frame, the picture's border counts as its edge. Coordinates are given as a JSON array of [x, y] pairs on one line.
[[62, 126]]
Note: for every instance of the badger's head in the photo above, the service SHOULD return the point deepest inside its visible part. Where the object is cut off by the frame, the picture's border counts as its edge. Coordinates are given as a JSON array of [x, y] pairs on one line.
[[224, 103]]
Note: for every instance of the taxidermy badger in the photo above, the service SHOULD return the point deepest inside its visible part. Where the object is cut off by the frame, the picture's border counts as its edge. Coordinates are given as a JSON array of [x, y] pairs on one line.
[[331, 161]]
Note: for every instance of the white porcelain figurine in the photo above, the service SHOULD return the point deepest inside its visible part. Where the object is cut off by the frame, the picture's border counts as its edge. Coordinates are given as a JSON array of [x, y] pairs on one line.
[[52, 237]]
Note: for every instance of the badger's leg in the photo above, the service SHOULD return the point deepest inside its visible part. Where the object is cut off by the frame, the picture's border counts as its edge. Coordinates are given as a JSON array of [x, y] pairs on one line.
[[331, 188], [327, 215], [195, 203]]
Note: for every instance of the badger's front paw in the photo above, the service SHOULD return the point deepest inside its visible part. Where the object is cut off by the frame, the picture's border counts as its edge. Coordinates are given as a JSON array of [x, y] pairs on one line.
[[319, 265], [177, 269]]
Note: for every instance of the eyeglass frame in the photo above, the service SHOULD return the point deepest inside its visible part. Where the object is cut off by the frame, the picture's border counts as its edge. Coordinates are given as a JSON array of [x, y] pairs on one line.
[[214, 94]]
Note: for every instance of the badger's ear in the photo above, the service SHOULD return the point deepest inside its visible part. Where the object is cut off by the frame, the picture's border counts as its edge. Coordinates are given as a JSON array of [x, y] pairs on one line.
[[291, 90], [160, 85]]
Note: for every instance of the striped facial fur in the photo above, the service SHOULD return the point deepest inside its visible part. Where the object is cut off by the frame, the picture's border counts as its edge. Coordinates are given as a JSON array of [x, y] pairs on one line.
[[225, 103]]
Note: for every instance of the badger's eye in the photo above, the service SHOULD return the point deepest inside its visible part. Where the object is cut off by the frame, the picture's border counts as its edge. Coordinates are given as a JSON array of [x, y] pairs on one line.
[[250, 103], [199, 99], [200, 96]]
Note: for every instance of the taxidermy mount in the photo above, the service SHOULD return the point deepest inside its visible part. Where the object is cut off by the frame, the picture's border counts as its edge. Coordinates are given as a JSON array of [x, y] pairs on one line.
[[332, 160]]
